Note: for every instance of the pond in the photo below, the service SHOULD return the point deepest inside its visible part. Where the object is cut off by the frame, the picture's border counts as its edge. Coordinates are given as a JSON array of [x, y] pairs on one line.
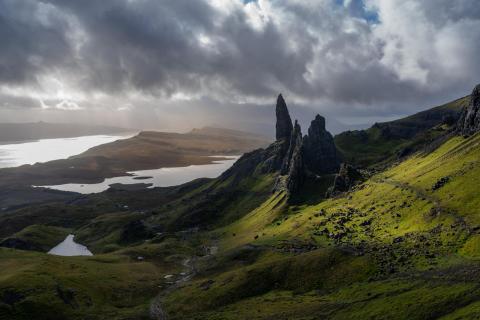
[[70, 248]]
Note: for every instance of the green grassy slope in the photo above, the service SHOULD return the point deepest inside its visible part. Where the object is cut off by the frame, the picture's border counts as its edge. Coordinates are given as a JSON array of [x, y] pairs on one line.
[[394, 248], [40, 237], [39, 286], [405, 244], [385, 141]]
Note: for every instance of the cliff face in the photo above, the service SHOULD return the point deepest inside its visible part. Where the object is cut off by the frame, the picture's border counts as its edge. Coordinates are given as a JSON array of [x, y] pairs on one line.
[[283, 125], [293, 156], [293, 166], [314, 154], [320, 153], [470, 120]]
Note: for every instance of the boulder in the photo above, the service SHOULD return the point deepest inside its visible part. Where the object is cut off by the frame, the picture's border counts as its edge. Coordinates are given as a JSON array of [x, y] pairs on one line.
[[346, 178]]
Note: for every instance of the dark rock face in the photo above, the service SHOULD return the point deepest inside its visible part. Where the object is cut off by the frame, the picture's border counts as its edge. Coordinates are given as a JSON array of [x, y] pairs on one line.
[[346, 178], [293, 147], [319, 151], [283, 126], [293, 156], [312, 155], [470, 120], [267, 160], [292, 168], [295, 166]]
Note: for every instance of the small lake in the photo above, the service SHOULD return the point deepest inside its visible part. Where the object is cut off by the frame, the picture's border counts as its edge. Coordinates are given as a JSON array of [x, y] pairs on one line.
[[163, 177], [30, 152], [70, 248]]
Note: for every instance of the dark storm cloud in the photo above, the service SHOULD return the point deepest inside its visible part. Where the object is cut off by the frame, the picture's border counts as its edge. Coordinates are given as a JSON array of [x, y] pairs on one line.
[[343, 58], [33, 40], [156, 46]]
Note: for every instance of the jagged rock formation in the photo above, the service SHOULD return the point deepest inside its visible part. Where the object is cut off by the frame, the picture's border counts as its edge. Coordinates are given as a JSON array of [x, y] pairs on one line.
[[293, 156], [470, 120], [314, 154], [346, 178], [320, 153], [295, 146], [292, 173], [283, 126], [296, 172]]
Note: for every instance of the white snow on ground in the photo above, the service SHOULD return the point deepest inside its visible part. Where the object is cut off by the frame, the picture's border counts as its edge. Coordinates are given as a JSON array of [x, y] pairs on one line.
[[70, 248]]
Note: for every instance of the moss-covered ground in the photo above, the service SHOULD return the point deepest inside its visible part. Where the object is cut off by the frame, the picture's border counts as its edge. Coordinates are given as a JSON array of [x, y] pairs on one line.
[[405, 244], [400, 246]]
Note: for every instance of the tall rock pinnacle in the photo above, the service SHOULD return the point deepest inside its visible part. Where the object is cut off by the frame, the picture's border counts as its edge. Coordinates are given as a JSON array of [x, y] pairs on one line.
[[284, 125], [470, 121], [296, 172], [319, 151]]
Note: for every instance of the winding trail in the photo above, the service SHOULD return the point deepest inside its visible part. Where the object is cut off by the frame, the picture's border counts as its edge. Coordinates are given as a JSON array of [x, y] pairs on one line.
[[156, 310]]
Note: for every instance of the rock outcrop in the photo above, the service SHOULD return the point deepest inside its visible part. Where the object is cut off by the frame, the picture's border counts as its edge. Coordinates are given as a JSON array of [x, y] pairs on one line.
[[293, 165], [312, 155], [283, 126], [469, 122], [346, 178], [294, 146], [319, 151], [295, 158]]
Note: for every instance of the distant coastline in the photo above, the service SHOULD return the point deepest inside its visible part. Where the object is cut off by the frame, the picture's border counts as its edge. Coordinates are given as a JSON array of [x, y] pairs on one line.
[[16, 133]]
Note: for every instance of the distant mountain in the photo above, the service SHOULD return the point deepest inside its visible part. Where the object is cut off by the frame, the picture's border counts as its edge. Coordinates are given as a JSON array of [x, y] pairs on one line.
[[16, 132], [217, 131]]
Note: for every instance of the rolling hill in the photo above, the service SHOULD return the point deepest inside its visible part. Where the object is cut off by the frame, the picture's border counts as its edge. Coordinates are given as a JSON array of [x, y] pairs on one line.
[[270, 238]]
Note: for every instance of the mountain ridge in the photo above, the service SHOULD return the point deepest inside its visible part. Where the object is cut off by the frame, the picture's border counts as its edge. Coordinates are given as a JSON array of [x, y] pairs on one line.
[[399, 243]]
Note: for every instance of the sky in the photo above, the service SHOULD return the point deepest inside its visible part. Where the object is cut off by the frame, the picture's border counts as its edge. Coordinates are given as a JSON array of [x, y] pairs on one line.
[[174, 65]]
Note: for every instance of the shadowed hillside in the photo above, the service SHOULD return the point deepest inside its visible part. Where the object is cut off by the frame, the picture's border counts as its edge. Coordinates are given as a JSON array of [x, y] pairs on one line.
[[288, 232], [390, 140]]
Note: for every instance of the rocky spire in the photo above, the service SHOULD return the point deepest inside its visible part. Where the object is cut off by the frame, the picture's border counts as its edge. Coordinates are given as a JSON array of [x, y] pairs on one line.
[[294, 145], [295, 168], [284, 122], [319, 151], [292, 172], [469, 122]]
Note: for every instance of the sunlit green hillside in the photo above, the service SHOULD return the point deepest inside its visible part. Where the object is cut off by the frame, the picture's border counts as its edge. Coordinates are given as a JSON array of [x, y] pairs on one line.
[[395, 248]]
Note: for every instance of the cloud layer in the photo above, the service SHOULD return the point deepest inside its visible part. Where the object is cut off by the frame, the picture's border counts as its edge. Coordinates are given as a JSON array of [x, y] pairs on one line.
[[349, 58]]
